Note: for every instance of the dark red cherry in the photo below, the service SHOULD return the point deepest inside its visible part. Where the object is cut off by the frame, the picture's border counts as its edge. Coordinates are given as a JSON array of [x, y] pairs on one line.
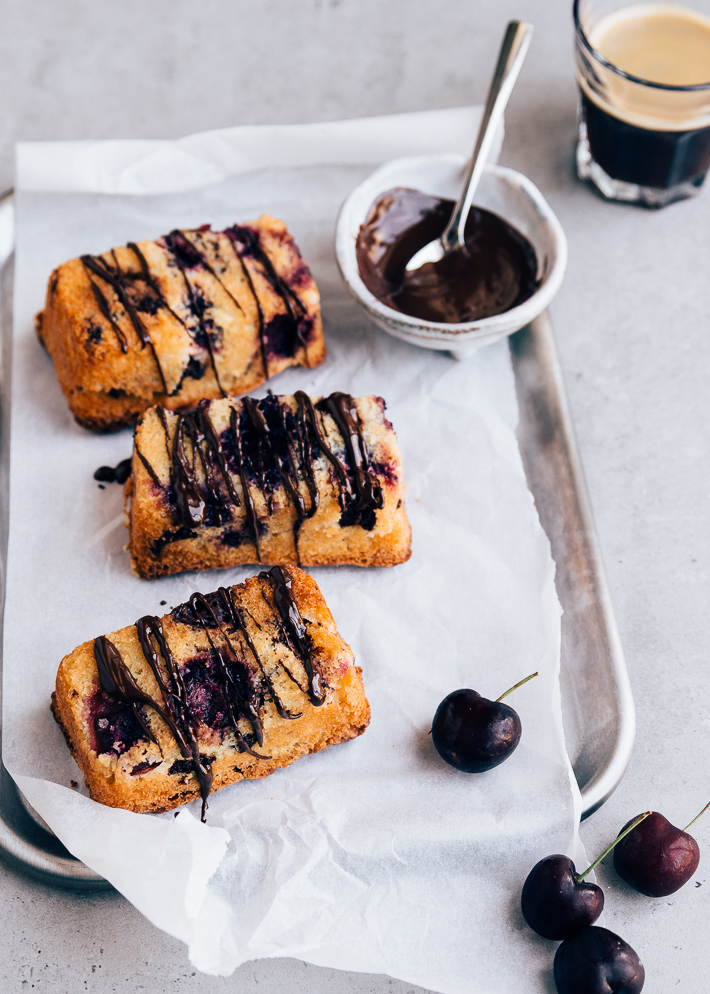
[[475, 734], [596, 961], [554, 903], [656, 858]]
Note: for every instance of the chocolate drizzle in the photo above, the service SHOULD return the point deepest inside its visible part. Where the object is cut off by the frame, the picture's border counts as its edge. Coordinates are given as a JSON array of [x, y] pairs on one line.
[[235, 619], [292, 620], [257, 302], [200, 503], [287, 458], [117, 681], [246, 243], [237, 689], [306, 417], [368, 494], [260, 427], [200, 259], [248, 500], [180, 721], [148, 468], [106, 311], [152, 282], [137, 290], [241, 685], [186, 256], [266, 445], [118, 280]]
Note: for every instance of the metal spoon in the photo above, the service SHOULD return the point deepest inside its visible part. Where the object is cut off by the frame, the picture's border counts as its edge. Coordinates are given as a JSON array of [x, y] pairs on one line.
[[513, 50]]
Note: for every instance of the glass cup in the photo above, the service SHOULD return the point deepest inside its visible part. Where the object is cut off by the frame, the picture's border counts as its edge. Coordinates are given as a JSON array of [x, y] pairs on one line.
[[643, 140]]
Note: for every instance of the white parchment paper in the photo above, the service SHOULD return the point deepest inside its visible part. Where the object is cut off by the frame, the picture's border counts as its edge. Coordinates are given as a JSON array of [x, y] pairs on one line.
[[373, 855]]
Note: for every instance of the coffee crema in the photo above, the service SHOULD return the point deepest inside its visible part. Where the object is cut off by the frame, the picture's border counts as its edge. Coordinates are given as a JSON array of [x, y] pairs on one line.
[[657, 42], [663, 47], [644, 75], [493, 272]]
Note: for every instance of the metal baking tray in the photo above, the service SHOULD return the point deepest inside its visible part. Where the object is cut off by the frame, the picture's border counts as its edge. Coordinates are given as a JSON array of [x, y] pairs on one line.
[[597, 706]]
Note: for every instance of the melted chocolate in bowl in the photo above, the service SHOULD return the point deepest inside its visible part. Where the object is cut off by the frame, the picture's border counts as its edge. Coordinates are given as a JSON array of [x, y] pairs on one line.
[[493, 272]]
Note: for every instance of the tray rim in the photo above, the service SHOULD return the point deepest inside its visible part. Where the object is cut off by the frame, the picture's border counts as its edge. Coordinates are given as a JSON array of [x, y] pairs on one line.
[[22, 850], [539, 337]]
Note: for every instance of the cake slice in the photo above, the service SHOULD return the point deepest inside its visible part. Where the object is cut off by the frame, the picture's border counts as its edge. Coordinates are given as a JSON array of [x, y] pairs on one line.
[[229, 686], [196, 313], [290, 479]]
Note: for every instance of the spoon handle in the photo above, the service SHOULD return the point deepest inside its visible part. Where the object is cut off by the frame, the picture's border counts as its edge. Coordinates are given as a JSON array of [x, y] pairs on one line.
[[510, 59]]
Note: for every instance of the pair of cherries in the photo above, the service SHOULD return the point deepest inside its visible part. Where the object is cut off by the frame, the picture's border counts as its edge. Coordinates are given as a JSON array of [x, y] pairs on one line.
[[651, 855]]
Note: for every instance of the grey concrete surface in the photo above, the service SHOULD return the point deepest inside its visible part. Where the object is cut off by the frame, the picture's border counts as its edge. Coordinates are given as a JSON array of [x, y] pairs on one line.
[[633, 333]]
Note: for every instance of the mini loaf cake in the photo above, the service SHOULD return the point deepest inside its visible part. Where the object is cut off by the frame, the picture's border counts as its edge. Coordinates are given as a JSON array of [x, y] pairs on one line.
[[229, 686], [288, 479], [197, 313]]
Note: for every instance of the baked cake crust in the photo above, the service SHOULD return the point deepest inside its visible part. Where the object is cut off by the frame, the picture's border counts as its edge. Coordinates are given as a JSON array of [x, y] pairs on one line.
[[253, 692], [287, 479], [196, 313]]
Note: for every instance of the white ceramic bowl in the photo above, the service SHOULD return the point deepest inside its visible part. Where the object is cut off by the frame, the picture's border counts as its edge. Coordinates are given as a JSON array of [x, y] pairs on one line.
[[503, 191]]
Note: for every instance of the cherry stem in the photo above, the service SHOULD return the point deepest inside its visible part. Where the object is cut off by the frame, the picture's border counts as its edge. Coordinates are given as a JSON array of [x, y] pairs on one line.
[[622, 835], [518, 684], [696, 817]]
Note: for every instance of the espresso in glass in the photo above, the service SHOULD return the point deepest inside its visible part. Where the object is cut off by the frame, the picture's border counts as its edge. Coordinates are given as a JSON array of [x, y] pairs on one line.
[[643, 71]]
